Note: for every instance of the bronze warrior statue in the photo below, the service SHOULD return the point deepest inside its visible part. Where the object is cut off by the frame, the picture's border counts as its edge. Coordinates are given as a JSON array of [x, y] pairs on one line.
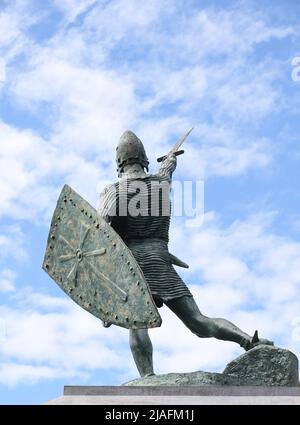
[[147, 236]]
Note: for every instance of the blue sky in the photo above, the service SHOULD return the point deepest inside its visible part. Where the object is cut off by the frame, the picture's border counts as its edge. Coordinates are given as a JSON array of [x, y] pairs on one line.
[[74, 74]]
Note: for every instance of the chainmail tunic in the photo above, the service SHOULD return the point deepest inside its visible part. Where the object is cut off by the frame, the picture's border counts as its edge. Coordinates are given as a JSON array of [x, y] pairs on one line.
[[145, 228]]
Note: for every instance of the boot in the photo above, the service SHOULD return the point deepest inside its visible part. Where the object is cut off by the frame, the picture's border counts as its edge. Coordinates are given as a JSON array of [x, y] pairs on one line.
[[248, 344]]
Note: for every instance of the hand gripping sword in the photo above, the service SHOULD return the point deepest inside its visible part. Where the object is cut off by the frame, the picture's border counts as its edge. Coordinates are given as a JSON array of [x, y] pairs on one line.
[[177, 145]]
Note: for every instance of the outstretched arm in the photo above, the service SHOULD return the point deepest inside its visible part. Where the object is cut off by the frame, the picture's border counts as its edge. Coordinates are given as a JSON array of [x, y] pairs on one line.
[[168, 167]]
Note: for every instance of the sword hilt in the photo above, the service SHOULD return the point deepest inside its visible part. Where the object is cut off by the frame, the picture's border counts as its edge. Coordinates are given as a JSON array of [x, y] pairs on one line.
[[162, 158]]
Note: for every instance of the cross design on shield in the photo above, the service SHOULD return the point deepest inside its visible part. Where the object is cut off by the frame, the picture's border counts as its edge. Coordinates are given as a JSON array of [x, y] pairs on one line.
[[81, 257]]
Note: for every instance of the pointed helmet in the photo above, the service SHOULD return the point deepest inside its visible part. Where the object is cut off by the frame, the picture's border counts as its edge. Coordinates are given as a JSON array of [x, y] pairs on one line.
[[130, 150]]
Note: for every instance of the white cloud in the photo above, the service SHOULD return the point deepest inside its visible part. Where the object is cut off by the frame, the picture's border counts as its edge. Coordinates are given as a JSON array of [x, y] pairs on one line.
[[123, 65], [114, 21], [187, 352], [91, 107], [24, 160], [91, 99], [48, 337], [236, 30], [12, 243], [31, 173], [213, 150], [255, 270], [12, 374], [7, 278], [2, 70], [248, 93], [243, 272], [9, 25], [15, 19], [73, 8]]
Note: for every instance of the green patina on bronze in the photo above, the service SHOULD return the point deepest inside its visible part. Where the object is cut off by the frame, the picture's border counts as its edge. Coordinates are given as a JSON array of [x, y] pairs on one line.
[[87, 258], [91, 264]]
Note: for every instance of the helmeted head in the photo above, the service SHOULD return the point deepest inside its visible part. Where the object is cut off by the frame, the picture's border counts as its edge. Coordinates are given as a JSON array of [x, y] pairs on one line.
[[130, 150]]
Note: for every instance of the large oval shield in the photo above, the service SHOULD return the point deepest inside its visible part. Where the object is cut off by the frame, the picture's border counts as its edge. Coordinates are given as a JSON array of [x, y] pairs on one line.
[[91, 263]]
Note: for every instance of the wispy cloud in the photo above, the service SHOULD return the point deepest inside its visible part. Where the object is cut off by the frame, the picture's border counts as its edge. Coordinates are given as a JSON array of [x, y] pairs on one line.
[[91, 95], [2, 71], [12, 243], [256, 270], [14, 374], [7, 278], [253, 284], [48, 337]]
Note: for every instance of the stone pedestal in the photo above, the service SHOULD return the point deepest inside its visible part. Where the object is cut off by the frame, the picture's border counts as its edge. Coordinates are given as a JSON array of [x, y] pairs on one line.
[[263, 375], [208, 395]]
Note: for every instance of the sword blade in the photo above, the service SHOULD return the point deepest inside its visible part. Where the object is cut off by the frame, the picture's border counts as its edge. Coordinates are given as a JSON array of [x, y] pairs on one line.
[[176, 146], [181, 140]]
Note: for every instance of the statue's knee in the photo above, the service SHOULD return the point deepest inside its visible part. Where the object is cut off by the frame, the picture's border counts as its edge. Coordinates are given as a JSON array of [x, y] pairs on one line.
[[201, 326]]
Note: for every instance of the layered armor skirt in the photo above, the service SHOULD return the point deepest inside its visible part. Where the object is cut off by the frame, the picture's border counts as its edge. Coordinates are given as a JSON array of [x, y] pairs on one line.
[[154, 259]]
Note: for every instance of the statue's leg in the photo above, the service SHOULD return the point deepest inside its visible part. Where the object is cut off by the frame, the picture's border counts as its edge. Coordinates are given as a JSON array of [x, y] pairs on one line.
[[141, 348], [187, 310]]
